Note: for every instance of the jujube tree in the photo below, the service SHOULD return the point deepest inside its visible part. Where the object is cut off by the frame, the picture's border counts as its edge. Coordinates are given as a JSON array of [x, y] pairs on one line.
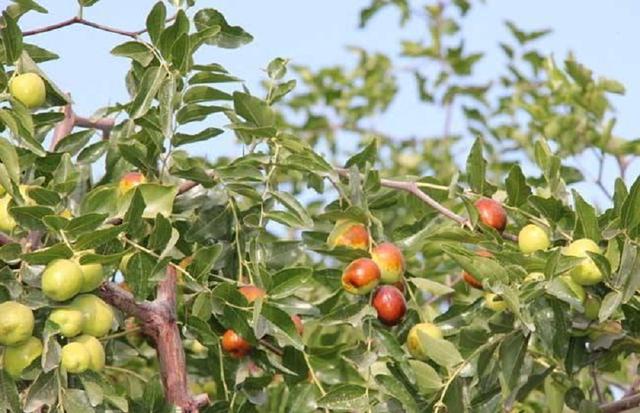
[[308, 274]]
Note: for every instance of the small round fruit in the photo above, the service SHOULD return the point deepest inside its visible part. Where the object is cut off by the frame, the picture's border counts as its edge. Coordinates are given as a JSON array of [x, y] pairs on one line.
[[98, 315], [92, 274], [390, 305], [533, 238], [492, 213], [29, 89], [235, 345], [297, 321], [7, 223], [592, 308], [69, 321], [251, 292], [95, 349], [534, 277], [413, 339], [349, 234], [576, 289], [61, 280], [587, 272], [17, 358], [210, 388], [130, 180], [494, 302], [361, 276], [16, 323], [470, 279], [197, 347], [390, 261], [75, 358]]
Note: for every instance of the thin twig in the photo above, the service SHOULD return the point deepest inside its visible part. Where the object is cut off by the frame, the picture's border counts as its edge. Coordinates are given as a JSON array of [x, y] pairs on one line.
[[85, 22], [621, 405]]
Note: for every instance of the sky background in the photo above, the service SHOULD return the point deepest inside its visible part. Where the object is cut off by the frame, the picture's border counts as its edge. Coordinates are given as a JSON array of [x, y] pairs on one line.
[[602, 35]]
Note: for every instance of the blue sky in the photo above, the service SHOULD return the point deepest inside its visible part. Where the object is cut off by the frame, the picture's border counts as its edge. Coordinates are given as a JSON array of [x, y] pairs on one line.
[[315, 33]]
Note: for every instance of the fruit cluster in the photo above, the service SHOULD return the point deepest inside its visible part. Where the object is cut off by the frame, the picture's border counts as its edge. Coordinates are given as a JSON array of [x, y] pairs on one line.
[[81, 319], [531, 239]]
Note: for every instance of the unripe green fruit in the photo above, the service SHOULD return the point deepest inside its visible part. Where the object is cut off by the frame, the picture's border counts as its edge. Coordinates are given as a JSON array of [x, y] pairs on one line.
[[61, 280], [533, 238], [16, 323], [17, 358], [92, 274], [69, 321], [29, 89], [98, 315], [95, 349], [414, 344], [494, 302], [587, 272], [7, 223], [75, 358]]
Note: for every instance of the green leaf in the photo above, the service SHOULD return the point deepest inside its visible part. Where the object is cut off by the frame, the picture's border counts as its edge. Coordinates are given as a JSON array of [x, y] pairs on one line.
[[517, 189], [282, 323], [427, 379], [204, 260], [9, 158], [368, 154], [45, 255], [476, 168], [74, 142], [11, 38], [134, 50], [395, 388], [8, 394], [149, 86], [349, 397], [285, 282], [630, 211], [587, 222], [430, 286], [43, 392], [229, 37], [155, 21], [212, 77], [196, 94], [293, 205], [253, 109], [206, 134], [195, 113], [511, 356], [99, 237], [439, 350], [75, 400]]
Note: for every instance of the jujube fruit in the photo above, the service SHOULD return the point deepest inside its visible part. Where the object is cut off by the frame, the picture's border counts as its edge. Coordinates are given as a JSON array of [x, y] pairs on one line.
[[92, 274], [95, 350], [414, 344], [389, 304], [129, 181], [62, 279], [533, 238], [29, 89], [494, 302], [16, 323], [492, 213], [251, 292], [7, 223], [19, 357], [390, 261], [75, 358], [587, 272], [98, 315], [235, 345], [349, 234], [361, 276], [69, 320]]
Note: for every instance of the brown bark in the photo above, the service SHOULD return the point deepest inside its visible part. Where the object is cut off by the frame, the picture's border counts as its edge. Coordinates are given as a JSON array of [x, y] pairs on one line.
[[158, 321]]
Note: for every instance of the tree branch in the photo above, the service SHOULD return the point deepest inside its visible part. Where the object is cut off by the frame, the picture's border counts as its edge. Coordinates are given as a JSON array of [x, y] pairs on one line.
[[621, 405], [158, 322], [80, 20]]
